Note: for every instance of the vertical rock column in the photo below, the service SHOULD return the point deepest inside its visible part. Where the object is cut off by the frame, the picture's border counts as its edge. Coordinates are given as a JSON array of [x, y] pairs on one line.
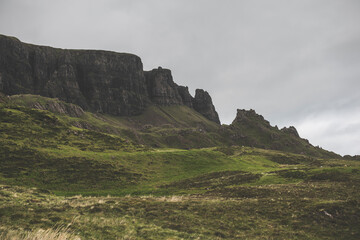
[[203, 104]]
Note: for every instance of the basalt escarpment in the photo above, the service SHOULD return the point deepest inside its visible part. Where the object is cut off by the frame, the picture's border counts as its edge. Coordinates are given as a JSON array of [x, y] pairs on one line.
[[99, 81], [163, 91], [161, 87]]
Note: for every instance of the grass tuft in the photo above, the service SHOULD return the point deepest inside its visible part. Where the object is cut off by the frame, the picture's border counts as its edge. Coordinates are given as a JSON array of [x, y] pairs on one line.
[[57, 233]]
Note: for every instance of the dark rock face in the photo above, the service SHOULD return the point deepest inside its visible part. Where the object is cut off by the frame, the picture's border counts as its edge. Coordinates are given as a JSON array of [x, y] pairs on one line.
[[100, 81], [290, 130], [187, 99], [161, 87], [243, 115], [163, 91], [203, 104]]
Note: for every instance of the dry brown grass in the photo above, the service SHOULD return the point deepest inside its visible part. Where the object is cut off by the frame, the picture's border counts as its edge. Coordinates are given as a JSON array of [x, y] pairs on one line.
[[172, 198], [58, 233]]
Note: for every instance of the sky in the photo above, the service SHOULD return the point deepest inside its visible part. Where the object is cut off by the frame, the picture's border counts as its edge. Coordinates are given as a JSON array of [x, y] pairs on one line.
[[296, 62]]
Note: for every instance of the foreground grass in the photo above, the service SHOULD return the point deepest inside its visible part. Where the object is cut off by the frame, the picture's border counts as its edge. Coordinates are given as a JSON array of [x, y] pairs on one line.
[[305, 211], [214, 193], [59, 233]]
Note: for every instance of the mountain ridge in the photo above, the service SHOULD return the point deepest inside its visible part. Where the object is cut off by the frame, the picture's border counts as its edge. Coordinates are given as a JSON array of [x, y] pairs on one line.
[[151, 107], [175, 126], [96, 80]]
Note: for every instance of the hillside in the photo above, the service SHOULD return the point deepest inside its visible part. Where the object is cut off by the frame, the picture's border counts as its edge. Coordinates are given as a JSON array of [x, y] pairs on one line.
[[94, 147], [111, 93], [103, 186], [177, 126], [251, 129]]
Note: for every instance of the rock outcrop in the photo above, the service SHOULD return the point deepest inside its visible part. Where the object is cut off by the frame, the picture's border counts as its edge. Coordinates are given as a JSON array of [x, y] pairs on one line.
[[203, 104], [290, 130], [251, 129], [187, 99], [161, 87], [243, 115], [163, 91], [99, 81]]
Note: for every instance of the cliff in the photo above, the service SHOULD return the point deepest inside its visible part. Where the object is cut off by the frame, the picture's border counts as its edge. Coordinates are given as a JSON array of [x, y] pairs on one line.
[[163, 91], [203, 104], [161, 87], [98, 81]]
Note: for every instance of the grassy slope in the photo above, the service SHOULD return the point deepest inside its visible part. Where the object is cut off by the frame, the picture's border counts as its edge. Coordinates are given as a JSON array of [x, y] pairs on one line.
[[158, 126], [268, 201], [181, 127], [209, 193], [254, 131]]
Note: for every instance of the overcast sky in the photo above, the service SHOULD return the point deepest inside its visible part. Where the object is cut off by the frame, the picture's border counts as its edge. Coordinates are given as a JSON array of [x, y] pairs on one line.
[[296, 62]]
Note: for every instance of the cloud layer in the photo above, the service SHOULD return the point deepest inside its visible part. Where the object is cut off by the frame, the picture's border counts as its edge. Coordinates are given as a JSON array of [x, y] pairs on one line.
[[296, 62]]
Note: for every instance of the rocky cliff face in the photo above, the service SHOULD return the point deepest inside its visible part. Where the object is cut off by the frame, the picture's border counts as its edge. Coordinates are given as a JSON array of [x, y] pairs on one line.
[[100, 81], [203, 104], [163, 91], [243, 116], [290, 130], [187, 99], [161, 87]]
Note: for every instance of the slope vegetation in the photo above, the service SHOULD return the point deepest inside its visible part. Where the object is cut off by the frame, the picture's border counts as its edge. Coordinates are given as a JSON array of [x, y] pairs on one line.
[[90, 176], [177, 126]]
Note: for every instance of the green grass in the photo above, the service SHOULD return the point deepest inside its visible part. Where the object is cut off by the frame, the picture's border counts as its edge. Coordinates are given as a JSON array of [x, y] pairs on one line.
[[267, 212], [107, 182], [173, 126], [40, 149]]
